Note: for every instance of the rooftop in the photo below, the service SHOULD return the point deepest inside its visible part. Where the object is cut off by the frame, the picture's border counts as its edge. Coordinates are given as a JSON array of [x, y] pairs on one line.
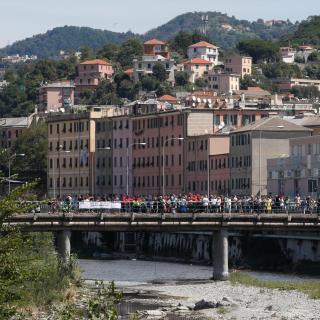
[[203, 44], [95, 61], [154, 42], [272, 124], [198, 61], [21, 122], [167, 97]]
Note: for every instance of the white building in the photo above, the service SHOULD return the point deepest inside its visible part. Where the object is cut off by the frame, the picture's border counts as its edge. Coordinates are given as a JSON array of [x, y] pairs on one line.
[[154, 51], [204, 50], [287, 54]]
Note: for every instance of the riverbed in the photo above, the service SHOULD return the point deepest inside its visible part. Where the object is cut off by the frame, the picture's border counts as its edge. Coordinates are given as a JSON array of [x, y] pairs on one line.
[[169, 285]]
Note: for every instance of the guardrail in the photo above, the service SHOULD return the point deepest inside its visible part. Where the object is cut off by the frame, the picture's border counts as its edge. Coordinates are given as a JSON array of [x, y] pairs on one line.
[[177, 207]]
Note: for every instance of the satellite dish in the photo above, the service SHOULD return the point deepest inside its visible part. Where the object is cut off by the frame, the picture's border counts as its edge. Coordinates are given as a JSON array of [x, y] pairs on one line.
[[198, 100], [210, 105], [193, 104], [209, 101], [204, 100], [194, 98]]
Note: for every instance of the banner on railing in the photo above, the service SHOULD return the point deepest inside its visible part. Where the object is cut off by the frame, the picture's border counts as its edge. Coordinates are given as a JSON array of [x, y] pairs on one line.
[[96, 205]]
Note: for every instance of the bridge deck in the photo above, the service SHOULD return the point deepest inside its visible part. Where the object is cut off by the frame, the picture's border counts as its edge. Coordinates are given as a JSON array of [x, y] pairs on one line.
[[165, 222]]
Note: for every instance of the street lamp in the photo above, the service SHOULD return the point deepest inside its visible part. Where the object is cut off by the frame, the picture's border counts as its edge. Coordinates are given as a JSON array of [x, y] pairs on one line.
[[163, 165], [13, 156], [127, 169]]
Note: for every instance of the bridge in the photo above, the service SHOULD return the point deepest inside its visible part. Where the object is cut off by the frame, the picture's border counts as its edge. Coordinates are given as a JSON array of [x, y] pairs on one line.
[[218, 223]]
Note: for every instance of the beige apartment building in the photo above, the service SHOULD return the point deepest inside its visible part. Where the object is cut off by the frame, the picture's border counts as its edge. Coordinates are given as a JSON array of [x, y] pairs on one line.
[[222, 83], [71, 152], [197, 67], [297, 172], [237, 64], [251, 147]]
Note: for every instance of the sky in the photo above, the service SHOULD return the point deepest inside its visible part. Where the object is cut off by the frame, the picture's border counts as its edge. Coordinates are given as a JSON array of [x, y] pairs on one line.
[[24, 18]]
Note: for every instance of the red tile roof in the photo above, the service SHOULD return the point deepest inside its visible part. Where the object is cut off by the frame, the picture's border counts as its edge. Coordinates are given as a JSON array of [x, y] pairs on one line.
[[155, 42], [129, 72], [198, 61], [167, 97], [203, 44], [96, 61]]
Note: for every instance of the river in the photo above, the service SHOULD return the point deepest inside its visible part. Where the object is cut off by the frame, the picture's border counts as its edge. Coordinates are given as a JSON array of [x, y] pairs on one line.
[[160, 285]]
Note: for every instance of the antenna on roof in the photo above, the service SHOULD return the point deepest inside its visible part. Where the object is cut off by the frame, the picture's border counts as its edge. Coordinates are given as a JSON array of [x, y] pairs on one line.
[[205, 22]]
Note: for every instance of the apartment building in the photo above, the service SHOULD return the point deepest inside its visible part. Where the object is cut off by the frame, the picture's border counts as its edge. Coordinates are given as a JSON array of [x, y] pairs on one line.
[[71, 153], [104, 157], [91, 73], [159, 148], [237, 64], [222, 83], [297, 172], [12, 128], [285, 85], [122, 155], [207, 164], [197, 67], [205, 51], [54, 96], [154, 51], [251, 147]]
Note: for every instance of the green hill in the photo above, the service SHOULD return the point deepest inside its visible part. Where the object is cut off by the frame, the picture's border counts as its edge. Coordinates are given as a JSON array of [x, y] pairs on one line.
[[65, 38], [223, 30], [308, 32]]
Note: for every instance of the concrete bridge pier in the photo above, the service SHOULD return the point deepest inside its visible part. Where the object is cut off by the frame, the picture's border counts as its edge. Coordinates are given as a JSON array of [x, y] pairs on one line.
[[63, 244], [220, 255]]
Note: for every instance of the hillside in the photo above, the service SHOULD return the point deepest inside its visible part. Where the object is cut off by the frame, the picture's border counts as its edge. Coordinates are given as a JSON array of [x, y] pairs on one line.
[[308, 32], [65, 38], [223, 30]]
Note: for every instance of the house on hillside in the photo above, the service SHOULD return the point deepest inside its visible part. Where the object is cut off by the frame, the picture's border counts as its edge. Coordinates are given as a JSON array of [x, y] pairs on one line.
[[154, 51]]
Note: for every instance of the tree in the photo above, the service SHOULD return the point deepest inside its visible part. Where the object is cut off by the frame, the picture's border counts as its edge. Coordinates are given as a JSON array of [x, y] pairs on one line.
[[281, 70], [86, 53], [159, 72], [259, 50], [149, 83], [201, 83], [306, 92], [30, 271], [182, 78], [246, 82], [33, 143], [129, 50], [127, 89], [109, 51], [183, 40]]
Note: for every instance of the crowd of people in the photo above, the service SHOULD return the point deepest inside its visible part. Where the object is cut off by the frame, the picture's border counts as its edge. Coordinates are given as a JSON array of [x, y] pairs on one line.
[[197, 203]]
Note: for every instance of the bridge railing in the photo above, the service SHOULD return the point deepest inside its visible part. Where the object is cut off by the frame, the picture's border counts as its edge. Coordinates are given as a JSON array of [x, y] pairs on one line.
[[175, 207]]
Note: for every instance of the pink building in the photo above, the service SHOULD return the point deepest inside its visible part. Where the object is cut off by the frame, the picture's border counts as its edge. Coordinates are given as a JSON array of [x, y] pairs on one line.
[[56, 95], [201, 178], [91, 73], [155, 130], [238, 64], [122, 139]]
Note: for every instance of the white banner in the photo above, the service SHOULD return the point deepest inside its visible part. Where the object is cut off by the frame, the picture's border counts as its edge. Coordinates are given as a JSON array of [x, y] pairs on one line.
[[95, 205]]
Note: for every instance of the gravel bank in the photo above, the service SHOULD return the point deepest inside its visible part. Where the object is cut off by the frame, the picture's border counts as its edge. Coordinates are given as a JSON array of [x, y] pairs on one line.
[[247, 302]]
